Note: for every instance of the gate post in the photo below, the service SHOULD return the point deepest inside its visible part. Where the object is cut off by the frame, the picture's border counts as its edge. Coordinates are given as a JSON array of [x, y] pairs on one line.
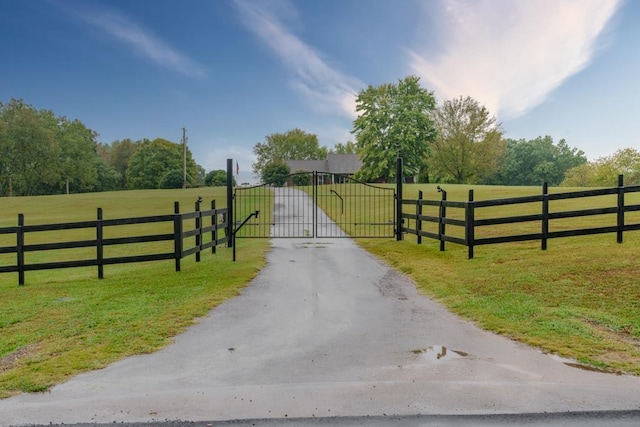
[[230, 217], [399, 175]]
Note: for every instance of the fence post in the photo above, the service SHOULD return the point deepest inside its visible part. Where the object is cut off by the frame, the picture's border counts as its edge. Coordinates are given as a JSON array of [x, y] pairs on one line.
[[214, 226], [198, 221], [620, 207], [99, 247], [230, 217], [399, 175], [418, 215], [20, 249], [442, 213], [545, 215], [470, 226], [177, 234]]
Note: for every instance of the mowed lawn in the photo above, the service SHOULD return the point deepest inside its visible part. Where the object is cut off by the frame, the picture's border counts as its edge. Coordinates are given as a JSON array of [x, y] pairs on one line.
[[63, 322], [579, 299]]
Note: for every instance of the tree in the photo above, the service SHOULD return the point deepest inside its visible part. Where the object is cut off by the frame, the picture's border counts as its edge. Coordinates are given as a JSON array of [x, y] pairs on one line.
[[469, 145], [78, 156], [153, 160], [275, 174], [604, 171], [393, 119], [536, 161], [294, 144], [172, 179], [217, 178], [301, 178], [28, 148], [348, 148], [120, 154]]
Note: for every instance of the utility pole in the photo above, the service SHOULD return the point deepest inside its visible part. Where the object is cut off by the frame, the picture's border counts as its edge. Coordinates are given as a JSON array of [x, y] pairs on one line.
[[184, 158]]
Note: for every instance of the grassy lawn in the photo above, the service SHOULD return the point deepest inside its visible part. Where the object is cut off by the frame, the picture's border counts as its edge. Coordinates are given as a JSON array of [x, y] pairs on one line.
[[63, 322], [579, 299]]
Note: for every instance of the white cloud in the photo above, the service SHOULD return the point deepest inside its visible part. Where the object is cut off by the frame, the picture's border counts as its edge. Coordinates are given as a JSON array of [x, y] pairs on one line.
[[143, 42], [510, 55], [326, 88]]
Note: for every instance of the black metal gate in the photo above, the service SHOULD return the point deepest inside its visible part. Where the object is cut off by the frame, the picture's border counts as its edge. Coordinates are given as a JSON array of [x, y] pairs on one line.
[[314, 204]]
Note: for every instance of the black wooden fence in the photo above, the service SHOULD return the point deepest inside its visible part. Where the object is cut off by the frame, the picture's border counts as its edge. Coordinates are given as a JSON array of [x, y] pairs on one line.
[[461, 225], [176, 230]]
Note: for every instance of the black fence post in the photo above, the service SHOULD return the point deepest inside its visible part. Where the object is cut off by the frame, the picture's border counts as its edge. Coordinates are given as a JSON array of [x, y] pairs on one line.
[[177, 234], [545, 215], [620, 208], [230, 217], [20, 249], [442, 215], [470, 226], [214, 226], [399, 174], [418, 215], [99, 246], [198, 224]]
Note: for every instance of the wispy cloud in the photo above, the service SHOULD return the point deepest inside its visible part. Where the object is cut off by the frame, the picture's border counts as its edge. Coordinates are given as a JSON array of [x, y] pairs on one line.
[[510, 55], [142, 42], [325, 87]]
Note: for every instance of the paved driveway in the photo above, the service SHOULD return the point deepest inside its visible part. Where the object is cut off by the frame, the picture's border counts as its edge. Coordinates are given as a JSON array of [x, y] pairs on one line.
[[326, 330]]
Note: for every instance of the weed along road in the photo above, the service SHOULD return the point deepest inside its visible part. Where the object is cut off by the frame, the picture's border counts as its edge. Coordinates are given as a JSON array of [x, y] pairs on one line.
[[326, 330]]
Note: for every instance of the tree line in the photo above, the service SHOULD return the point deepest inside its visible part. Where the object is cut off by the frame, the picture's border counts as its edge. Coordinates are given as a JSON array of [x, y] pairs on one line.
[[43, 153], [458, 141]]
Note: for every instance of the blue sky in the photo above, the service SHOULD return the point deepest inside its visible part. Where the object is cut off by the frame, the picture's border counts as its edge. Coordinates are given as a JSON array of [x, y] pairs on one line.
[[234, 71]]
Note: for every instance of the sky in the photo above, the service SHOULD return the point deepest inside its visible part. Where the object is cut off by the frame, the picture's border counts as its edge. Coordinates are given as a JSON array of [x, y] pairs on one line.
[[232, 72]]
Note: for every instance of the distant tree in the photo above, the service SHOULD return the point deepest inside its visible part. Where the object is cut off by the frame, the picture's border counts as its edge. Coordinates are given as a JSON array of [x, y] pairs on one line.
[[392, 119], [294, 144], [172, 179], [200, 175], [29, 150], [604, 171], [275, 174], [348, 148], [153, 160], [469, 145], [532, 162], [77, 157], [108, 179], [120, 153], [217, 178]]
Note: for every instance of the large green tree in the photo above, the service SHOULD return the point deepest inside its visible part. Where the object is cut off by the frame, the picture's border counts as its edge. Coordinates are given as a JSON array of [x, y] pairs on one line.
[[469, 145], [393, 118], [532, 162], [217, 178], [77, 156], [294, 144], [154, 160], [29, 150]]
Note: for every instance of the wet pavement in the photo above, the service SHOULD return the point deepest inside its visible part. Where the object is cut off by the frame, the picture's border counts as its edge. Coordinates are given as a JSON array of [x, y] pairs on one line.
[[325, 331]]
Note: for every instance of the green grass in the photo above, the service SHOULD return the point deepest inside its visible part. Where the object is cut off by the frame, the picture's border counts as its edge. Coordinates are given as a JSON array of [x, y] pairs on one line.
[[64, 322], [579, 299]]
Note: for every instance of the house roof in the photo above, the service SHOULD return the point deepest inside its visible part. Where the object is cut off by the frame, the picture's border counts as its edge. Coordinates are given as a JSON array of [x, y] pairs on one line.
[[345, 164]]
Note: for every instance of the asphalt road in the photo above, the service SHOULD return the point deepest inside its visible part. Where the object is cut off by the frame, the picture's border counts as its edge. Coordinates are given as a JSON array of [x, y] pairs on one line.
[[327, 331]]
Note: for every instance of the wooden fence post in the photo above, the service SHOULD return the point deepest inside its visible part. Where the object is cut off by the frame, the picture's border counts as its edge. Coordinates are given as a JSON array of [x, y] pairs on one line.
[[198, 223], [214, 226], [470, 226], [442, 213], [99, 247], [545, 215], [20, 249], [177, 234], [418, 215], [620, 208]]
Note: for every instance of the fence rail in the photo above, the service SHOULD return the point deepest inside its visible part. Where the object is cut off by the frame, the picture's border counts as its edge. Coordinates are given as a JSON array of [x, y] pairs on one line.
[[176, 232], [466, 225]]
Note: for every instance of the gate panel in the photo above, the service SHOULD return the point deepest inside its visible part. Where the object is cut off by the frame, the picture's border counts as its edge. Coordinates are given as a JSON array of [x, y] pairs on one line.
[[320, 205]]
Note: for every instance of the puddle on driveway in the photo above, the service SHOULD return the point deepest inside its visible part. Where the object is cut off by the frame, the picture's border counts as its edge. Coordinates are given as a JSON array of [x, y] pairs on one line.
[[436, 353]]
